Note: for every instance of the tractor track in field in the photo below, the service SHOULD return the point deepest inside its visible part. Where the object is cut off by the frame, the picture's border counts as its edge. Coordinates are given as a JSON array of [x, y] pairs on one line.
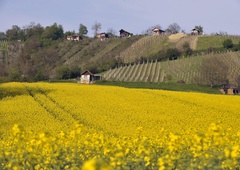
[[56, 115], [63, 117]]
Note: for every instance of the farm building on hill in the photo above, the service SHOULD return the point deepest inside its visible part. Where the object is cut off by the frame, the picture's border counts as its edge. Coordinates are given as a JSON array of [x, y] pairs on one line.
[[230, 90], [74, 37], [102, 36], [87, 77], [195, 31], [124, 33], [157, 31]]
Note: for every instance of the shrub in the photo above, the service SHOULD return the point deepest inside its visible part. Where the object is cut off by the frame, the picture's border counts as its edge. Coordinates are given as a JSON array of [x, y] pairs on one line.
[[173, 53], [228, 43]]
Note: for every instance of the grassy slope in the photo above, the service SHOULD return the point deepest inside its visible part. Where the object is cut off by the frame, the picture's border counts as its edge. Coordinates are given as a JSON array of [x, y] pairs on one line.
[[188, 69], [163, 86], [93, 50], [145, 47], [216, 42]]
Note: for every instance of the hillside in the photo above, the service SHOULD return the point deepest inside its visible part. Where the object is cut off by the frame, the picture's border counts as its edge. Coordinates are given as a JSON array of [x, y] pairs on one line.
[[140, 58], [198, 69]]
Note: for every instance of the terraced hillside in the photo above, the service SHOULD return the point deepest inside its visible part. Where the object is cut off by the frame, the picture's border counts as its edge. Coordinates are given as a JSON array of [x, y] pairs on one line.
[[215, 42], [22, 58], [146, 46], [198, 69]]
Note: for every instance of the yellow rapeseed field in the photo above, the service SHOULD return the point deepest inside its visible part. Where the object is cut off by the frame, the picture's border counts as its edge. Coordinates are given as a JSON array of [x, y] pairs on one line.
[[73, 126]]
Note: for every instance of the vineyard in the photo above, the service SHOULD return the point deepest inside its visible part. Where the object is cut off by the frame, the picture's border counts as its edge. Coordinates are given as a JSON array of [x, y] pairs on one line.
[[190, 70], [146, 46], [206, 42], [72, 126], [3, 51]]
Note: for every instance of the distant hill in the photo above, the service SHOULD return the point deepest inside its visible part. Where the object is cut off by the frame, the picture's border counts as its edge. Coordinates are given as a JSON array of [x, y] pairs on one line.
[[138, 58]]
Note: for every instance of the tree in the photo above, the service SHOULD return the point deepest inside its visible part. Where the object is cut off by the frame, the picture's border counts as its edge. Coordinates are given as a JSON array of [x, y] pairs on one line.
[[13, 34], [82, 30], [199, 28], [44, 62], [2, 36], [214, 71], [111, 32], [173, 53], [173, 28], [63, 72], [33, 30], [96, 27], [228, 43], [53, 32], [187, 51]]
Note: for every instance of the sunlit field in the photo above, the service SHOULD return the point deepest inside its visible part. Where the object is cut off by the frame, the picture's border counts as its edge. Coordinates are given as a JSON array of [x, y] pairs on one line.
[[73, 126]]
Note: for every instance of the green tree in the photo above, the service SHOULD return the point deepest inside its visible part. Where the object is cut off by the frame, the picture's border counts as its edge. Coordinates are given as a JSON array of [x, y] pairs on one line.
[[14, 75], [187, 51], [45, 60], [83, 30], [33, 30], [2, 36], [75, 72], [173, 53], [228, 43], [199, 28], [13, 34], [53, 32], [63, 72]]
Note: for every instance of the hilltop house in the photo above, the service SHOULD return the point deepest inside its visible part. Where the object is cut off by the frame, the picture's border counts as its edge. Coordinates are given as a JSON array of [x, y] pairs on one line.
[[195, 31], [87, 77], [102, 36], [157, 31], [124, 33], [228, 89], [74, 37]]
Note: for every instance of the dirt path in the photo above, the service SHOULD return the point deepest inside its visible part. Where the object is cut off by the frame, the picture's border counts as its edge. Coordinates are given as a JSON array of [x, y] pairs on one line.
[[194, 43], [176, 37]]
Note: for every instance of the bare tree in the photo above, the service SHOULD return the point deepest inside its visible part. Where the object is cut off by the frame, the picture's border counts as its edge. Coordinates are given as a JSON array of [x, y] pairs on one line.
[[173, 28], [215, 71], [96, 27], [111, 32]]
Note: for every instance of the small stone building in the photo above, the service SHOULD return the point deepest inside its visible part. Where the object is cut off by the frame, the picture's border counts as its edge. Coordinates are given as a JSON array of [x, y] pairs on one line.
[[157, 31], [124, 33], [74, 37], [87, 77], [102, 36], [230, 90], [195, 32]]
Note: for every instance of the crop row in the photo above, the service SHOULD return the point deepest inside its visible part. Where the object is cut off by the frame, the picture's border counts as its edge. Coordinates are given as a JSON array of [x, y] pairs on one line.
[[191, 70]]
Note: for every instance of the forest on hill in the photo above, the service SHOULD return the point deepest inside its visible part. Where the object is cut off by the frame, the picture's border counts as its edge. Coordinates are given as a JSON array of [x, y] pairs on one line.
[[36, 53]]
